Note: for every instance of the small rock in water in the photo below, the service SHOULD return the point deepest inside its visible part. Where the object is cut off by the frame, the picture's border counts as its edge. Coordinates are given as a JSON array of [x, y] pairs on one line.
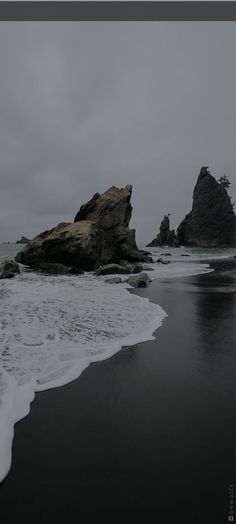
[[137, 269], [8, 269], [140, 280], [147, 268], [184, 255]]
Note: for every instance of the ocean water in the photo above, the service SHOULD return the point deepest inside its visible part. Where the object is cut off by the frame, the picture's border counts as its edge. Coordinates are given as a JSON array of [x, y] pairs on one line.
[[53, 327]]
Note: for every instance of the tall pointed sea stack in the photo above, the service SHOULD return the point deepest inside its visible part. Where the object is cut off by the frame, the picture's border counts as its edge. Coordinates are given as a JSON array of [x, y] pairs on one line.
[[99, 235], [166, 236], [212, 221]]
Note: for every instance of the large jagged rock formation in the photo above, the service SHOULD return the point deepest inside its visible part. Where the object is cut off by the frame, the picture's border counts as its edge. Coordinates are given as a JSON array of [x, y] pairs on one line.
[[212, 221], [99, 235], [166, 237], [111, 209]]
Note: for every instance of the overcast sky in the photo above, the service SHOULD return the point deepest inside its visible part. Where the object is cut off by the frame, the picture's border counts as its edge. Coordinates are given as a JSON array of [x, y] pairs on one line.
[[85, 105]]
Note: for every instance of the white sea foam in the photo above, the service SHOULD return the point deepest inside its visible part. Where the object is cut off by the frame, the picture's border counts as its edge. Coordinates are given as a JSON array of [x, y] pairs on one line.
[[14, 405], [52, 328], [176, 269], [192, 254]]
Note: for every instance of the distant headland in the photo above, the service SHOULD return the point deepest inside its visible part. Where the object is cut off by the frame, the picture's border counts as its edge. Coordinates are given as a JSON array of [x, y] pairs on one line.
[[23, 240]]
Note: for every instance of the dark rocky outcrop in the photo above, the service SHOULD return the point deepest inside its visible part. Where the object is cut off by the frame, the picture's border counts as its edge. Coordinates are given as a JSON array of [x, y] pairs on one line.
[[138, 268], [161, 261], [59, 269], [8, 269], [212, 221], [23, 240], [147, 268], [99, 235], [140, 280], [166, 236], [112, 269]]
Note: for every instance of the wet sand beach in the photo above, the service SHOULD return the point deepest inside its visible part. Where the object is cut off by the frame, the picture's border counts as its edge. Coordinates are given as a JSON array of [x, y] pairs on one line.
[[146, 436]]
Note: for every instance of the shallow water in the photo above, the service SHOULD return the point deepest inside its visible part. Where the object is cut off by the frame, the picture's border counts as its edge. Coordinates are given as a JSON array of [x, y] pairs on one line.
[[53, 327], [146, 436]]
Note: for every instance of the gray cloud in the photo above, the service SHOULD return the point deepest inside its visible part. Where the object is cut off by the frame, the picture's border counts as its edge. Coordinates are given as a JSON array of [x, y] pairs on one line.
[[87, 105]]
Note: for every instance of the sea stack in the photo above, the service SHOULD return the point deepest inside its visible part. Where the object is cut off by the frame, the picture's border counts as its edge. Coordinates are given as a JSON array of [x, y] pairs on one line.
[[212, 221], [99, 235], [23, 240], [166, 236]]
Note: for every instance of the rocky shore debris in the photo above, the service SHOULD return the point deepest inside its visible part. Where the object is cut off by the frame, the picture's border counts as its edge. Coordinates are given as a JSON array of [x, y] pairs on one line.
[[112, 269], [137, 269], [140, 280], [8, 269], [147, 268], [212, 220], [166, 236], [99, 235], [161, 261]]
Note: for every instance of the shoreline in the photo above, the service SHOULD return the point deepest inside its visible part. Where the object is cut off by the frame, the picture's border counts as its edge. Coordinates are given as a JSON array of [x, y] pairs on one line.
[[52, 412], [21, 397]]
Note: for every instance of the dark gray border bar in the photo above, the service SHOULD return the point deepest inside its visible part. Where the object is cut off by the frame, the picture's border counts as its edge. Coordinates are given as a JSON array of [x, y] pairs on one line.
[[118, 11]]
